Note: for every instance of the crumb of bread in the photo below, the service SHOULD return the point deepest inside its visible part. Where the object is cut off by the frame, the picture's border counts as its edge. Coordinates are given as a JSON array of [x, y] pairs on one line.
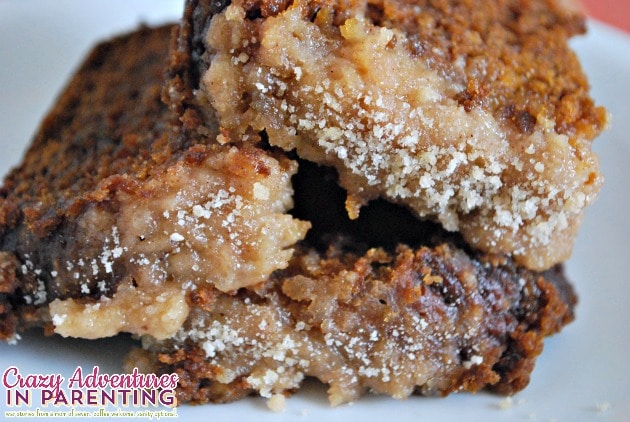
[[14, 339], [506, 403], [277, 403]]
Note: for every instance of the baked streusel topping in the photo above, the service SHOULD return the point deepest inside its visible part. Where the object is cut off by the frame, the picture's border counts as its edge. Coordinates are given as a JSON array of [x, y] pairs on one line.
[[484, 126]]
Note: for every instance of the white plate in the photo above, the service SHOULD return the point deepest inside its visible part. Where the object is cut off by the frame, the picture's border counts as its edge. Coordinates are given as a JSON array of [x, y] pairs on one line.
[[583, 374]]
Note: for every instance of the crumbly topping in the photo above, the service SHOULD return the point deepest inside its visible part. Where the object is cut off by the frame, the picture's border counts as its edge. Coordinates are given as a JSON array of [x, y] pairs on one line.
[[360, 324], [222, 223], [355, 97], [225, 220], [243, 332], [159, 311], [236, 337], [277, 403]]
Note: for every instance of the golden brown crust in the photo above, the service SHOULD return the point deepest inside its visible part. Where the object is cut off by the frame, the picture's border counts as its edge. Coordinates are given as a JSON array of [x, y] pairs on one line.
[[58, 178], [518, 63]]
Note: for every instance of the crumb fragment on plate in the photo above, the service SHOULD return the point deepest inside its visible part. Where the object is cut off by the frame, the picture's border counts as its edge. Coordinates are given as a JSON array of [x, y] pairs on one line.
[[277, 403]]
